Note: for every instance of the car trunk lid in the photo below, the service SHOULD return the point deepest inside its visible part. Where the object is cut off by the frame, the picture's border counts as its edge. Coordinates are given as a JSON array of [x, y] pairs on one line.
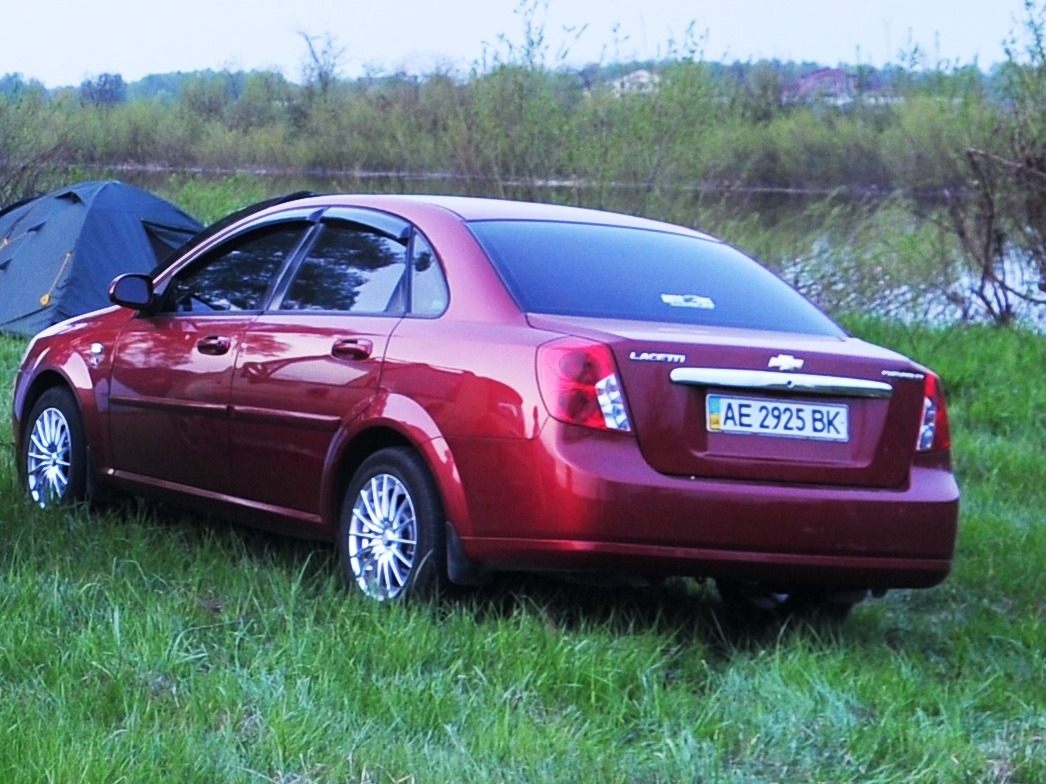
[[763, 406]]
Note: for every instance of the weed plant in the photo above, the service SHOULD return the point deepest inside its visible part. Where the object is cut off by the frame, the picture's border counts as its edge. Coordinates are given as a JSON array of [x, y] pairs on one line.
[[140, 644]]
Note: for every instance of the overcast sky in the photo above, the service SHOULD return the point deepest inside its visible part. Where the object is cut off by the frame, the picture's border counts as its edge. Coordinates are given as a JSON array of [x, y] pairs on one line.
[[63, 42]]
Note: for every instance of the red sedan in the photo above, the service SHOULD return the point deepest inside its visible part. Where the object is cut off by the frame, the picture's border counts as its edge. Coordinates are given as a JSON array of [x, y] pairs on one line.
[[450, 387]]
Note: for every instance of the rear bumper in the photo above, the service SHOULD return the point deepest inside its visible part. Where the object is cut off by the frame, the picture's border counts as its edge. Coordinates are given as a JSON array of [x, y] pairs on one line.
[[593, 504], [646, 560]]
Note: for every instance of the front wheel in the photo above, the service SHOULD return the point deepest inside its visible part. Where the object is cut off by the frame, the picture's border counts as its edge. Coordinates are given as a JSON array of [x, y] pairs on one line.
[[53, 458], [391, 538]]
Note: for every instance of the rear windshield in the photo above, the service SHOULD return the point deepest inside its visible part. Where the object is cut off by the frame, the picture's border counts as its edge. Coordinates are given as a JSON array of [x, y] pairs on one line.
[[612, 272]]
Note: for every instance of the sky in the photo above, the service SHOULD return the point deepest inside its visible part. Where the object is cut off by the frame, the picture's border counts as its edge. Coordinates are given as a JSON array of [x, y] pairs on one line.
[[64, 42]]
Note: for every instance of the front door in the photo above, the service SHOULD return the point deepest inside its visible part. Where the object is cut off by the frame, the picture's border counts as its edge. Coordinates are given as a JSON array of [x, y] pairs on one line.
[[172, 370]]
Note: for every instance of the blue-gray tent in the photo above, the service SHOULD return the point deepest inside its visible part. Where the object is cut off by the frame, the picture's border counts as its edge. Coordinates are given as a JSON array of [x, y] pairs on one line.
[[60, 252]]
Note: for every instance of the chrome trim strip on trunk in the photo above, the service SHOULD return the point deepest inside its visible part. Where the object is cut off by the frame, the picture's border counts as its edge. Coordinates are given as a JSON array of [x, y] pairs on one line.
[[788, 383]]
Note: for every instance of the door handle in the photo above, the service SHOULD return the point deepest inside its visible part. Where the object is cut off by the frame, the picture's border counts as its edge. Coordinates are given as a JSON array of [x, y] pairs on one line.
[[353, 348], [214, 345]]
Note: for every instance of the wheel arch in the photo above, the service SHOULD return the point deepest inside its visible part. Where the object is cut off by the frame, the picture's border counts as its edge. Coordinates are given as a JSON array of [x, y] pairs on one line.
[[62, 466], [66, 370], [401, 423], [345, 464], [47, 379], [61, 366]]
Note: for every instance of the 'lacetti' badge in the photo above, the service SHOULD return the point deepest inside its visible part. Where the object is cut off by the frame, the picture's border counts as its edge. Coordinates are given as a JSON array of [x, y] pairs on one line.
[[654, 356]]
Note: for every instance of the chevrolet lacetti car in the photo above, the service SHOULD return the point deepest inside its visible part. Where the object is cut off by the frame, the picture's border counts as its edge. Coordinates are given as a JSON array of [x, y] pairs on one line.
[[450, 387]]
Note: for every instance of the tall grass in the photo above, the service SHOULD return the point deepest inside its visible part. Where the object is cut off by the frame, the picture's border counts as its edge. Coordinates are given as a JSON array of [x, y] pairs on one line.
[[139, 644]]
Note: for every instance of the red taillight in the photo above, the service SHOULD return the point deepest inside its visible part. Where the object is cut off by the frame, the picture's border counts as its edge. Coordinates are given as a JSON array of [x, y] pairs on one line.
[[579, 384], [934, 434]]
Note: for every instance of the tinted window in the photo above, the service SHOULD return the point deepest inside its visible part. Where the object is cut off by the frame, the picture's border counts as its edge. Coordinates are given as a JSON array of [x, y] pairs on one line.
[[351, 268], [429, 295], [612, 272], [237, 275]]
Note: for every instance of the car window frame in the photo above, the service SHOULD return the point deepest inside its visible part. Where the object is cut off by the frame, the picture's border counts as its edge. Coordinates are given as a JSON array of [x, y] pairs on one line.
[[348, 216], [411, 310], [200, 256], [383, 224], [202, 237]]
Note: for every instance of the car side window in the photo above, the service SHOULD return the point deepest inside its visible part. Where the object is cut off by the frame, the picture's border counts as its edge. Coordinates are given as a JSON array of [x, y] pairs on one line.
[[352, 268], [235, 276], [429, 295]]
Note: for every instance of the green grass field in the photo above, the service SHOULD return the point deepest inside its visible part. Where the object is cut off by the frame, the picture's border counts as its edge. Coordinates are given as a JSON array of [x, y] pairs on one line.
[[141, 645]]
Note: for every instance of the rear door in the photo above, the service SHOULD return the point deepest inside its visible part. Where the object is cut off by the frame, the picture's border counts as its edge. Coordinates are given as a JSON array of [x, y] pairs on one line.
[[313, 360]]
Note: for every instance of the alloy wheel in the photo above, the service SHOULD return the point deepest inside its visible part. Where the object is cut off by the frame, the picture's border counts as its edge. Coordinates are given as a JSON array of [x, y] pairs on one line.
[[49, 457], [383, 537]]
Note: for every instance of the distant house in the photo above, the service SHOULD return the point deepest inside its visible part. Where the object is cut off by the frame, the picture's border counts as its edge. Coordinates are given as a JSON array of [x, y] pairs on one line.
[[640, 82], [827, 86]]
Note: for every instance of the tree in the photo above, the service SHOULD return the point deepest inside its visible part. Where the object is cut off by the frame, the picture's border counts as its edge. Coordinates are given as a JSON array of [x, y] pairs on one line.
[[1000, 216], [320, 72], [262, 101], [27, 155], [107, 90]]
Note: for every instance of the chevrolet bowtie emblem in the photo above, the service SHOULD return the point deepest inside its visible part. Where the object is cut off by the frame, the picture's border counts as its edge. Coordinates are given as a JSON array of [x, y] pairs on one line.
[[786, 362]]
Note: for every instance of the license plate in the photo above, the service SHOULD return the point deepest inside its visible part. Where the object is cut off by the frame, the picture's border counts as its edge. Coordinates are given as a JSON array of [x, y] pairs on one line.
[[760, 417]]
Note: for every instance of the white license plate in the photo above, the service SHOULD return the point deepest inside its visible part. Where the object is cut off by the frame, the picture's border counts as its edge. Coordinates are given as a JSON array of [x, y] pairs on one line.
[[753, 416]]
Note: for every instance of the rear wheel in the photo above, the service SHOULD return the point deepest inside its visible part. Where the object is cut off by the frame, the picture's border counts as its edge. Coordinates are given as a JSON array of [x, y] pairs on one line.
[[53, 459], [391, 537]]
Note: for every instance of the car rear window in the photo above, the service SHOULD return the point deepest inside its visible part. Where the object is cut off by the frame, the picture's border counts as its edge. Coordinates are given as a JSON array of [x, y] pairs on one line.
[[581, 269]]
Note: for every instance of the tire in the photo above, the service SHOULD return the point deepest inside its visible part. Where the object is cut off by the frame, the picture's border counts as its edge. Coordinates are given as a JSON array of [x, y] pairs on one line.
[[53, 456], [391, 538], [758, 602]]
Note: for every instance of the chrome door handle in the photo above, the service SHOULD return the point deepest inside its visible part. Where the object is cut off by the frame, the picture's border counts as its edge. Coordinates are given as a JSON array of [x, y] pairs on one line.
[[214, 345], [353, 348]]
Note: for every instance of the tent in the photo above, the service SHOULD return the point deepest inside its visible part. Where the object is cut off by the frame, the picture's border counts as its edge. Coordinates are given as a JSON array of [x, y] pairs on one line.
[[60, 252]]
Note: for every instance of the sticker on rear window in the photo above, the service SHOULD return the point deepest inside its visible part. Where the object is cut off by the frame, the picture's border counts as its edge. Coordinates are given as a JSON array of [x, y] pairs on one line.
[[688, 301]]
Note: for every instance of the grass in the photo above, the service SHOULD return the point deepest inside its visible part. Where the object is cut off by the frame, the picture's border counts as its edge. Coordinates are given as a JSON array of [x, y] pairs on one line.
[[141, 645]]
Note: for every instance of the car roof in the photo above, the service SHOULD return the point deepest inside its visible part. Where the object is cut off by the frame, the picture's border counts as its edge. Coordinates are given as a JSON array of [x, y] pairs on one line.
[[473, 208]]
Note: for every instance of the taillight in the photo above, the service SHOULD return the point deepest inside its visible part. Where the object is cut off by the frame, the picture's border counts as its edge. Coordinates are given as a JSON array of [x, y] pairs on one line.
[[934, 434], [579, 384]]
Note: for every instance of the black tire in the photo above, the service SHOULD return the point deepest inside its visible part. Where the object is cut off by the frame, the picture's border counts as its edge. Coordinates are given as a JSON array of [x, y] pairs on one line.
[[391, 536], [758, 602], [53, 457]]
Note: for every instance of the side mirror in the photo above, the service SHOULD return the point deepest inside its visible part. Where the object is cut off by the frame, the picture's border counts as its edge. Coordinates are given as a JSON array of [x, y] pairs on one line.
[[133, 291]]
